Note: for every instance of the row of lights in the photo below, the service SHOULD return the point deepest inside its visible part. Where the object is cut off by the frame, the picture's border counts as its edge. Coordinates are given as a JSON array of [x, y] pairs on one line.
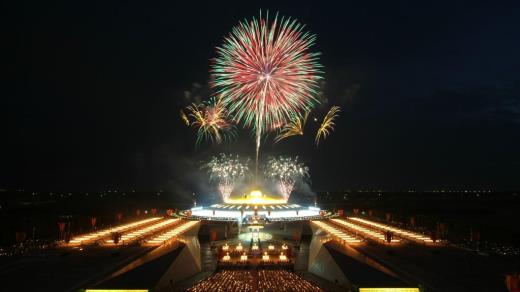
[[365, 231], [175, 231], [343, 236], [401, 232], [146, 230], [239, 247], [265, 257], [105, 232]]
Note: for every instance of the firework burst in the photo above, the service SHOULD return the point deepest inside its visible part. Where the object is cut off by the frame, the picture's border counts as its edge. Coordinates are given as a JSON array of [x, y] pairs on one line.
[[265, 74], [286, 171], [226, 170], [211, 121], [327, 126], [293, 128]]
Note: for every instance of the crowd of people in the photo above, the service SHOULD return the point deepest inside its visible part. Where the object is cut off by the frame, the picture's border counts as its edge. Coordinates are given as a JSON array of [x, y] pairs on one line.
[[252, 280], [234, 281], [282, 280]]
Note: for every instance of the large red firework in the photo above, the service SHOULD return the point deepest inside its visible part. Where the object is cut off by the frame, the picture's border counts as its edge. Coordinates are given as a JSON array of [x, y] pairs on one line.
[[265, 74]]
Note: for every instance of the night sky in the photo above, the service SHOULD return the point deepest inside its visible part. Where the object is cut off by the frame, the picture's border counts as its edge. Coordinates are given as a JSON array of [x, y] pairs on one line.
[[430, 93]]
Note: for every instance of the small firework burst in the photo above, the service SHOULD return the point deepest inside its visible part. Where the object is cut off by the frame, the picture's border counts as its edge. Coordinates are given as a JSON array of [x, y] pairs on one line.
[[211, 121], [286, 171], [226, 170], [327, 126]]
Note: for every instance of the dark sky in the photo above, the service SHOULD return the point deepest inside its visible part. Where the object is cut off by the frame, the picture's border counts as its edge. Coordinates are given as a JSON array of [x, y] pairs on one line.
[[430, 93]]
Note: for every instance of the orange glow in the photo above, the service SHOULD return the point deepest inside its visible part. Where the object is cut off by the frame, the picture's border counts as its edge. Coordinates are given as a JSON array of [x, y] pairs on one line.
[[141, 232], [364, 231], [399, 232], [171, 233], [91, 237], [337, 233]]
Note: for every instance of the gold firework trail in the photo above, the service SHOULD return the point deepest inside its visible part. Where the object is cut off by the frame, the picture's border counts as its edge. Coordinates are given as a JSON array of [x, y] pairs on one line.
[[327, 126], [184, 118], [293, 128]]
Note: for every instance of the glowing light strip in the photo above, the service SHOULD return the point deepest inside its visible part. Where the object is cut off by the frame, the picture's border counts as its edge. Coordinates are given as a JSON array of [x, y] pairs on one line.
[[131, 236], [105, 232], [401, 232], [365, 231], [175, 231], [343, 236]]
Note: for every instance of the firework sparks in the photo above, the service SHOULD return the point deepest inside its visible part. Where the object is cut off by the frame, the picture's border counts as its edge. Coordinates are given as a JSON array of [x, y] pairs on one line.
[[226, 170], [265, 74], [286, 171], [293, 128], [184, 118], [327, 126], [211, 122]]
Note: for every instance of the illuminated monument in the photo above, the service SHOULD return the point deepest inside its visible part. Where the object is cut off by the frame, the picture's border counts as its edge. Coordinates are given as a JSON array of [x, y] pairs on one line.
[[255, 206]]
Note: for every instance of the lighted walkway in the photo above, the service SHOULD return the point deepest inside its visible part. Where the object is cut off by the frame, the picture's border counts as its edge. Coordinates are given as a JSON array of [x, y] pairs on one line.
[[366, 232], [171, 233], [91, 237], [337, 233], [145, 231], [417, 237]]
